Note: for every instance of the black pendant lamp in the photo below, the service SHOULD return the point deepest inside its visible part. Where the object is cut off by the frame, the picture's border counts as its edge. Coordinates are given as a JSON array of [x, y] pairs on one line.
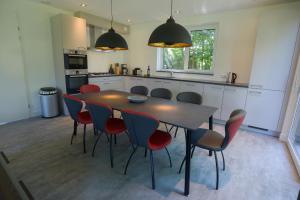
[[170, 35], [111, 40]]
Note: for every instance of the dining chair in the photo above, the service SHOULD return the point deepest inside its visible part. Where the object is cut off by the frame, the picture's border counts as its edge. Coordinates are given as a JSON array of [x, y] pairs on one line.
[[74, 106], [162, 93], [214, 141], [143, 132], [188, 97], [139, 89], [89, 88], [105, 123]]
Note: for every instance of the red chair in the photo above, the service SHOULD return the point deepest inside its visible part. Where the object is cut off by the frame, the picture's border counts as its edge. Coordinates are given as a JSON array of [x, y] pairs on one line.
[[143, 132], [89, 88], [214, 141], [74, 106], [104, 123]]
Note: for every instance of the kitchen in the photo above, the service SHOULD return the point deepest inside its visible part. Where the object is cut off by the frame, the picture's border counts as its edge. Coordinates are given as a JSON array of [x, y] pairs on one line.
[[248, 43]]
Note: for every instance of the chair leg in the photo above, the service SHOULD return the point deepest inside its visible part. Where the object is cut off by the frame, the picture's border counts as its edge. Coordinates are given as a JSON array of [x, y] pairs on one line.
[[171, 129], [111, 152], [152, 170], [146, 150], [128, 161], [169, 157], [166, 127], [115, 139], [176, 132], [95, 131], [217, 170], [107, 137], [181, 165], [183, 161], [84, 132], [74, 131], [223, 160], [98, 138]]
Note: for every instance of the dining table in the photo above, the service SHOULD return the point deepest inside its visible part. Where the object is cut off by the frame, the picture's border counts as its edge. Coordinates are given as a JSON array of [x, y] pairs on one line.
[[183, 115]]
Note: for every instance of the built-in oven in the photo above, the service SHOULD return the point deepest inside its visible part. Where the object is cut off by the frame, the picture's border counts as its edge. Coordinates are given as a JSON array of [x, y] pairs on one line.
[[75, 81], [75, 59]]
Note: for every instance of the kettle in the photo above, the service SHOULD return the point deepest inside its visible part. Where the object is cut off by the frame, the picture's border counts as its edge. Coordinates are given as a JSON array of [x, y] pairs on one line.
[[231, 77]]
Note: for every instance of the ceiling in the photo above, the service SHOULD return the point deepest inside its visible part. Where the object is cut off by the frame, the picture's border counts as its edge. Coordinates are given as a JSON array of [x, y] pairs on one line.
[[137, 11]]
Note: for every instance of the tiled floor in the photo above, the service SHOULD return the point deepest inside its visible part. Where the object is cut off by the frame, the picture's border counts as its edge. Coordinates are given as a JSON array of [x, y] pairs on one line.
[[258, 166]]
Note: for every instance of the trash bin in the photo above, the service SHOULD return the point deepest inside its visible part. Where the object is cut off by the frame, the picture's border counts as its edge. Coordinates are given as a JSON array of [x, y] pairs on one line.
[[49, 103]]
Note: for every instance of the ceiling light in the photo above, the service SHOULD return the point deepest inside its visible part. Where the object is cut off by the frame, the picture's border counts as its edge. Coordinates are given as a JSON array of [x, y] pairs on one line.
[[111, 40], [128, 20], [170, 35], [82, 4]]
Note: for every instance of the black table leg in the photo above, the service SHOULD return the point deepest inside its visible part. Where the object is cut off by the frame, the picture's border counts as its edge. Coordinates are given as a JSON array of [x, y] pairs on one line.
[[187, 163], [211, 124]]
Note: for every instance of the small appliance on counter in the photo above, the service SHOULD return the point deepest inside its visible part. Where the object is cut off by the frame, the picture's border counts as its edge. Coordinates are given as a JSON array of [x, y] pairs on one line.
[[111, 69], [124, 69], [231, 77], [117, 69], [137, 72]]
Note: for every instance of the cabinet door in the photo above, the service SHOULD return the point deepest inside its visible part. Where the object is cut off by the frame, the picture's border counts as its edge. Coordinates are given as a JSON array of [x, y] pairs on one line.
[[263, 108], [233, 98], [73, 32], [192, 87], [173, 86], [275, 43], [213, 95]]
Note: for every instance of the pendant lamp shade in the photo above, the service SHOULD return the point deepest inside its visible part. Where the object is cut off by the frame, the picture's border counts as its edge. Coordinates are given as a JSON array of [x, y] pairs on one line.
[[111, 40], [170, 35]]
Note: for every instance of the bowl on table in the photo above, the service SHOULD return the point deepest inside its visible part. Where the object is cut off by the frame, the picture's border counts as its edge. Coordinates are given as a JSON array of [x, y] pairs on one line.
[[137, 98]]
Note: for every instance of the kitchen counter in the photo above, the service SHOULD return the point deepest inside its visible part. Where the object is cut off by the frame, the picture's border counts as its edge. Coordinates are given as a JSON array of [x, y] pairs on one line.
[[245, 85]]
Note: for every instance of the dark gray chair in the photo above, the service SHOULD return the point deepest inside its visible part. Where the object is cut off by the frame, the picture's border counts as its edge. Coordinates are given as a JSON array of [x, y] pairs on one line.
[[161, 93], [139, 89], [188, 97]]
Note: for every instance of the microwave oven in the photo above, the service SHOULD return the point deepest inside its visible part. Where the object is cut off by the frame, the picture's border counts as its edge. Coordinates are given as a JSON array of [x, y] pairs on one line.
[[75, 59]]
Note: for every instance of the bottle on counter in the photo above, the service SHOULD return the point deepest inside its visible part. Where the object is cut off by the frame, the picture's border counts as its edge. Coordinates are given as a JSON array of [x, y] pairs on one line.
[[148, 71], [111, 70]]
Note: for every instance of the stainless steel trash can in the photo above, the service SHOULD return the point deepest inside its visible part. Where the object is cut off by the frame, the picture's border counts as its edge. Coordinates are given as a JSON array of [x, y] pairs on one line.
[[49, 103]]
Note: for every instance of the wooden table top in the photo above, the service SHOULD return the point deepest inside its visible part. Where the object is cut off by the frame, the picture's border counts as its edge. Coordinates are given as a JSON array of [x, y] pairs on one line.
[[184, 115]]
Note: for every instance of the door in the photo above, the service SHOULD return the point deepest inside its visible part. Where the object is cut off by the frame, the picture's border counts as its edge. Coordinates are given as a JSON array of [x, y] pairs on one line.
[[274, 49], [263, 108], [233, 98], [213, 96], [14, 99]]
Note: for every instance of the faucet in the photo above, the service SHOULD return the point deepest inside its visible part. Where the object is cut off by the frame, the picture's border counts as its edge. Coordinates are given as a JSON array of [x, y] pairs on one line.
[[171, 71]]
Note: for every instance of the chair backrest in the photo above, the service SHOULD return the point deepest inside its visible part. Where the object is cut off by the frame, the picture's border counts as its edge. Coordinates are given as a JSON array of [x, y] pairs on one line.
[[139, 89], [189, 97], [100, 113], [232, 125], [74, 105], [163, 93], [140, 126], [89, 88]]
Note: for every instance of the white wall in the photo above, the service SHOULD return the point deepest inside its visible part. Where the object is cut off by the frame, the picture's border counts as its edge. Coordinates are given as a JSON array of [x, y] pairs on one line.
[[235, 42]]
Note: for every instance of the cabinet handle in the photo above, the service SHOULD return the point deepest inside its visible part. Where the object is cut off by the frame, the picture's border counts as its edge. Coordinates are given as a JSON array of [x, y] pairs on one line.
[[254, 92], [256, 86]]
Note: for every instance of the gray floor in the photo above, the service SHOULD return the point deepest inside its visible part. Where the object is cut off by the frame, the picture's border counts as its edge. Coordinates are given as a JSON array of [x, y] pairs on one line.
[[258, 166]]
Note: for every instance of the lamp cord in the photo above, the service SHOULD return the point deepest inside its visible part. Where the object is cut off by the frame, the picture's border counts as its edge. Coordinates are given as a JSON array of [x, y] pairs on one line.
[[171, 8], [111, 14]]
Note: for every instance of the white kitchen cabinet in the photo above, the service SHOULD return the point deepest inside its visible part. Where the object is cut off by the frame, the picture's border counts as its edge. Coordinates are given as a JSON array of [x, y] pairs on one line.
[[213, 96], [192, 87], [108, 83], [71, 31], [274, 49], [173, 86], [263, 108], [233, 98]]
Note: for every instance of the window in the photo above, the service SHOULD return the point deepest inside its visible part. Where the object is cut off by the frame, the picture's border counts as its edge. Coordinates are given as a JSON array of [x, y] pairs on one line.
[[196, 59]]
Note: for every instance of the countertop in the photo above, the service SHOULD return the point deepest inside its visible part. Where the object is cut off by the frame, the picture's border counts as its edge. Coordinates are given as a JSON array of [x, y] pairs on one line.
[[245, 85]]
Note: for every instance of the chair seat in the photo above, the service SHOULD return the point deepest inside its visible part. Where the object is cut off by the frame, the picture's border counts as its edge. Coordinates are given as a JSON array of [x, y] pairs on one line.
[[159, 140], [115, 126], [207, 139], [84, 117]]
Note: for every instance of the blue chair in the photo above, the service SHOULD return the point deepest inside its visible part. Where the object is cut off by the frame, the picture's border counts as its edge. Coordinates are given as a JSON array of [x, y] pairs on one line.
[[104, 123], [143, 132], [74, 106]]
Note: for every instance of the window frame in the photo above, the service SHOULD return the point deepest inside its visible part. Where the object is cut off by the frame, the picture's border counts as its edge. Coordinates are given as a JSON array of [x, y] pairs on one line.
[[186, 53]]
